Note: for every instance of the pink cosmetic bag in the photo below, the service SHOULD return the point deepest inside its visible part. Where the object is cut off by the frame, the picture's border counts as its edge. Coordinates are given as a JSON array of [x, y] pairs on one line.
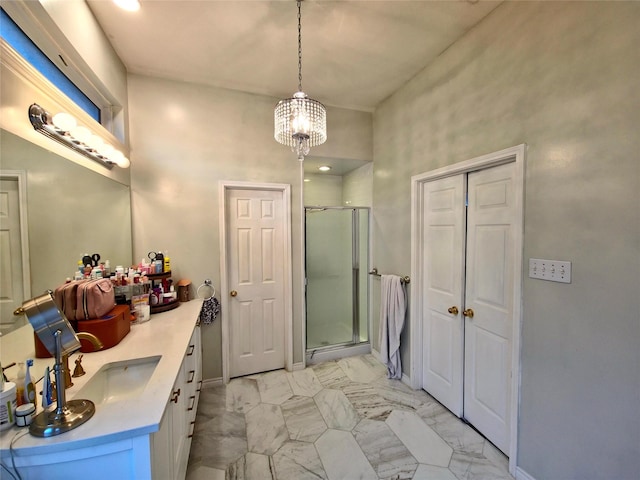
[[95, 298]]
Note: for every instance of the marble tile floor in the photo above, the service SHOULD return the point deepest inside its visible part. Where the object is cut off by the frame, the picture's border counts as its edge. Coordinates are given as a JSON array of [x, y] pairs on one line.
[[339, 420]]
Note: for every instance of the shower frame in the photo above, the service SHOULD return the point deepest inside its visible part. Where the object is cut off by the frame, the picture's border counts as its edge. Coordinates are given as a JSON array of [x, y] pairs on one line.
[[356, 269]]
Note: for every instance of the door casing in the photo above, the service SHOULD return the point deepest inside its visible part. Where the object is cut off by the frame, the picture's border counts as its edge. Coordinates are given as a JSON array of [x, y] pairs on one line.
[[514, 154], [285, 189]]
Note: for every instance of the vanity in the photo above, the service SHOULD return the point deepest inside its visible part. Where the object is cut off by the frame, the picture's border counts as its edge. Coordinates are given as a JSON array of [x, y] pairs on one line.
[[146, 391]]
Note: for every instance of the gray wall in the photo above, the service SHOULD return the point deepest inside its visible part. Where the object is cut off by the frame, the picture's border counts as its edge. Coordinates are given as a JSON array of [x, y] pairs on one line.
[[184, 139], [562, 78]]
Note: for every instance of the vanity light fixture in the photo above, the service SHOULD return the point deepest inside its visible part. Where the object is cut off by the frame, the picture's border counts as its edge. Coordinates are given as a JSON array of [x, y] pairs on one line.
[[324, 168], [300, 122], [64, 129]]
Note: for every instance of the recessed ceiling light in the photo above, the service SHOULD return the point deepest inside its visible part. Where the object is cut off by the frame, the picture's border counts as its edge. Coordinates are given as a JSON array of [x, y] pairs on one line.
[[324, 168], [129, 5]]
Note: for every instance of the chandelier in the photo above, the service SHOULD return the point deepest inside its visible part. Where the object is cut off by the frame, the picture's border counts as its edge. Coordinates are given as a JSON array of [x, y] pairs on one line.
[[300, 122]]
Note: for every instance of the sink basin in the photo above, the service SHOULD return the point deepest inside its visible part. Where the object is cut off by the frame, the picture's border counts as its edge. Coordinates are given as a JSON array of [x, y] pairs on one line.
[[117, 381]]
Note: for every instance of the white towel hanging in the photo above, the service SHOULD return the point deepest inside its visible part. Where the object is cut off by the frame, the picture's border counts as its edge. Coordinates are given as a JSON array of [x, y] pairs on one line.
[[393, 308]]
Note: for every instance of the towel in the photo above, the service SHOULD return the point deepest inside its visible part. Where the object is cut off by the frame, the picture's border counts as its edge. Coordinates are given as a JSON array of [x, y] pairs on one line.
[[210, 310], [393, 307]]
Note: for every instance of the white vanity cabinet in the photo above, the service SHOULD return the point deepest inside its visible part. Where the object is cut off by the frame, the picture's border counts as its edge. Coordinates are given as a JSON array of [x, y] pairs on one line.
[[172, 443], [145, 438]]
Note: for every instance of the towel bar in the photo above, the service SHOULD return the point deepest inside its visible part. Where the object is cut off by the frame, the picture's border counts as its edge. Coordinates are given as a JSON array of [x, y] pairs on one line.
[[405, 279]]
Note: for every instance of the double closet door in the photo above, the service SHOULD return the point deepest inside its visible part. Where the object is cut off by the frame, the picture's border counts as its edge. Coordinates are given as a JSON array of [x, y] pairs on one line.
[[468, 255]]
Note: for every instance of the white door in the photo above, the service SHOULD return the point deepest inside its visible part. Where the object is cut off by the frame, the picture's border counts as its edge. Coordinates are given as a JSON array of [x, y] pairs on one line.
[[256, 252], [442, 289], [12, 292], [468, 296], [491, 216]]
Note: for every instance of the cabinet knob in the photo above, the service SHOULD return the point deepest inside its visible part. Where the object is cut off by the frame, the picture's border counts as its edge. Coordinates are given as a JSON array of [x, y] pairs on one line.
[[233, 293], [453, 310], [468, 313]]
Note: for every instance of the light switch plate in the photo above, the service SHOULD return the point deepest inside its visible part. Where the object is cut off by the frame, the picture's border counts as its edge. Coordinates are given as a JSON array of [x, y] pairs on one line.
[[552, 270]]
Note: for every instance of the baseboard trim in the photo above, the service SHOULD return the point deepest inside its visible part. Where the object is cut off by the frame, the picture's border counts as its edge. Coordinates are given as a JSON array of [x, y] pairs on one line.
[[298, 366], [212, 382], [522, 475]]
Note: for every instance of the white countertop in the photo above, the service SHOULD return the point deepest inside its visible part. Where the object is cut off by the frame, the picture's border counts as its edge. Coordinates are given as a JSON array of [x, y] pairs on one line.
[[166, 334]]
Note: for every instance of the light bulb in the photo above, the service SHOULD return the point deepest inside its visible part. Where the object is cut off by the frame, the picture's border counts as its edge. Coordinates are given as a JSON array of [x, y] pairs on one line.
[[106, 150], [124, 163], [119, 159], [299, 121], [94, 142], [80, 133], [64, 121]]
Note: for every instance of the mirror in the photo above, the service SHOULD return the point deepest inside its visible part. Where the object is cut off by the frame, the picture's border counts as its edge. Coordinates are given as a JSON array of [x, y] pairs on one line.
[[70, 211]]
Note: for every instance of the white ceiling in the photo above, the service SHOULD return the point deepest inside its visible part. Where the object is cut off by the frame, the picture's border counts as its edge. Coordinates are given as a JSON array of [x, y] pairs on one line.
[[354, 53]]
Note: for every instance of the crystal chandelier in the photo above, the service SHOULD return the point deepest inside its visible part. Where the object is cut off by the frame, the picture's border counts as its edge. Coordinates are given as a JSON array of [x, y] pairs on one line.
[[300, 122]]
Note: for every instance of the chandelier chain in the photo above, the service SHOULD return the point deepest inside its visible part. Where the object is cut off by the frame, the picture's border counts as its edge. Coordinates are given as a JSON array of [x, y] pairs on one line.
[[299, 48]]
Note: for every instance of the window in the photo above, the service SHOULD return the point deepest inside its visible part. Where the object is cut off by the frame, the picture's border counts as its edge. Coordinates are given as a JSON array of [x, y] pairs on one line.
[[21, 43]]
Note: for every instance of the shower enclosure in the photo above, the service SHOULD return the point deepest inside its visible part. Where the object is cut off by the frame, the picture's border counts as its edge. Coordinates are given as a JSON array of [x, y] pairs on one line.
[[337, 293]]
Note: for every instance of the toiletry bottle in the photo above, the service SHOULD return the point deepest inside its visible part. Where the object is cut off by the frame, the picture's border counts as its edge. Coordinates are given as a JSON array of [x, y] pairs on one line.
[[29, 387], [167, 262], [107, 269], [47, 396], [20, 399], [159, 262]]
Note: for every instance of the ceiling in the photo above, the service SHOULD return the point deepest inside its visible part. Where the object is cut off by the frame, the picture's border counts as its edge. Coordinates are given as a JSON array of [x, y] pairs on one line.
[[354, 53]]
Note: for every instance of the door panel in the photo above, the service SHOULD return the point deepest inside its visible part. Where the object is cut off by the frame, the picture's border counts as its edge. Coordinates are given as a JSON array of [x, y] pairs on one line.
[[256, 272], [489, 292], [443, 267], [11, 275]]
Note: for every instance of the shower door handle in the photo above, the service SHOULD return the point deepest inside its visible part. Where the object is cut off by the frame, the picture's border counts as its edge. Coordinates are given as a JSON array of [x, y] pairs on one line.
[[233, 293]]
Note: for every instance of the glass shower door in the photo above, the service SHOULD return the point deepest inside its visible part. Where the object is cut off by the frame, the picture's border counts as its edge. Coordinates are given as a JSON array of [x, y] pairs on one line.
[[337, 311]]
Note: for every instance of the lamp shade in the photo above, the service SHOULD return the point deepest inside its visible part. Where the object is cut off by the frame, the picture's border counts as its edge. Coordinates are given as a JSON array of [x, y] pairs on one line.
[[300, 122]]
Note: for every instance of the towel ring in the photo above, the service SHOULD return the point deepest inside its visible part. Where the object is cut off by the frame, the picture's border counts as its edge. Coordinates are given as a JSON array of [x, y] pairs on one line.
[[207, 283]]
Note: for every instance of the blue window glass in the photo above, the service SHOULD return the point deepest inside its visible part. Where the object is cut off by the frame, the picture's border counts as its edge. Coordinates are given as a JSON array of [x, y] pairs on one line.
[[15, 37]]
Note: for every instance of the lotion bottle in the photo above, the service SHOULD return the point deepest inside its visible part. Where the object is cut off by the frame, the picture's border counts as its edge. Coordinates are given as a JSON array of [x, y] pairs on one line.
[[20, 379], [167, 262]]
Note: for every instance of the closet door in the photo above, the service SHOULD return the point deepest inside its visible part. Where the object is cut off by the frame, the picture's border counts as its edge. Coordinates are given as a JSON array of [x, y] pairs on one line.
[[489, 308], [442, 239]]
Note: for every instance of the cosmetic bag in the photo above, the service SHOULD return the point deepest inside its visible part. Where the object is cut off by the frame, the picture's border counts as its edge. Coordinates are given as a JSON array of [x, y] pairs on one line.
[[94, 298], [65, 297]]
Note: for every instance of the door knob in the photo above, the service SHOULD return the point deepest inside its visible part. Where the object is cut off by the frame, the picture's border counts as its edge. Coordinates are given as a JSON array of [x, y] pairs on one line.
[[468, 313], [233, 293], [453, 310]]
